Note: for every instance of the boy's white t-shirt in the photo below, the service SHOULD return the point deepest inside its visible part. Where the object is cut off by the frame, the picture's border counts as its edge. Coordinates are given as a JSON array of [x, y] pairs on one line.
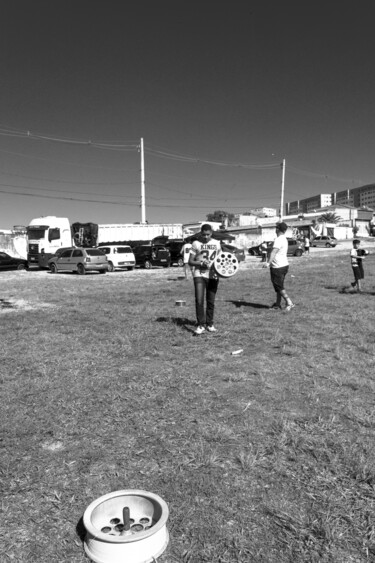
[[281, 258], [186, 252], [209, 251]]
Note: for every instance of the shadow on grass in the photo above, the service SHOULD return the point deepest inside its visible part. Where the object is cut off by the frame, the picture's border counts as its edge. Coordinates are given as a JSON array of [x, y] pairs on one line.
[[178, 321], [248, 304], [350, 291], [177, 279], [80, 529]]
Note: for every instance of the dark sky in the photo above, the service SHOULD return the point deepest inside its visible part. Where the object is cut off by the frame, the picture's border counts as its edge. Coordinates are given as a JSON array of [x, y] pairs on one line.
[[230, 87]]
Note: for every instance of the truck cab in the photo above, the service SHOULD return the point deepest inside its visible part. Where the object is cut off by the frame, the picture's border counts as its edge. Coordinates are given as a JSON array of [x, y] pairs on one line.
[[45, 235]]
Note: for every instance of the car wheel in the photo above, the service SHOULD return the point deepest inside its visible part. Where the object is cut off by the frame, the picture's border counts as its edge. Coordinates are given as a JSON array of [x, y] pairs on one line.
[[148, 264], [328, 245], [180, 262], [21, 267], [110, 267], [298, 252], [81, 269], [53, 268]]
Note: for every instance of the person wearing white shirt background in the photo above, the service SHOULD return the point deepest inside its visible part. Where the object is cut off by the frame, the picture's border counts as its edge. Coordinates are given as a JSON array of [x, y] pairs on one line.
[[185, 251], [279, 266]]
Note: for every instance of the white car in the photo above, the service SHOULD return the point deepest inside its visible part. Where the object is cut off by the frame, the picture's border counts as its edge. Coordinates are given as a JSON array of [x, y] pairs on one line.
[[119, 256]]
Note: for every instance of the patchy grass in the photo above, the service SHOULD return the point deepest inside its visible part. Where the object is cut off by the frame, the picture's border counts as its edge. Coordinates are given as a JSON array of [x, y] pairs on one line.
[[262, 457]]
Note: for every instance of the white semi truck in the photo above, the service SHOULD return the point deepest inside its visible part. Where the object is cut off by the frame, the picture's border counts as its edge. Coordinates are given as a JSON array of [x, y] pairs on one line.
[[46, 234]]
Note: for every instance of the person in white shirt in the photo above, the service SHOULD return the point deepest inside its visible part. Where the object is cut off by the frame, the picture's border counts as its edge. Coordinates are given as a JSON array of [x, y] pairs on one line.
[[206, 281], [279, 266], [185, 251]]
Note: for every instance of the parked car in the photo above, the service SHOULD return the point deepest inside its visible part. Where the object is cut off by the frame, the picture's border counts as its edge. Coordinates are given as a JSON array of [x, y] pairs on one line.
[[119, 256], [175, 247], [238, 252], [8, 262], [79, 260], [147, 256], [325, 241], [256, 250], [295, 247]]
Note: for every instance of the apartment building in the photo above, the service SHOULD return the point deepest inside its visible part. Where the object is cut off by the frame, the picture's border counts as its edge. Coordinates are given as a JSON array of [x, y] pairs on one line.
[[364, 196]]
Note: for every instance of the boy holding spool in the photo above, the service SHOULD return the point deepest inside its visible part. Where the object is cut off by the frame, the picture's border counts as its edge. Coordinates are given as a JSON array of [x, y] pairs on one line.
[[356, 256], [206, 281]]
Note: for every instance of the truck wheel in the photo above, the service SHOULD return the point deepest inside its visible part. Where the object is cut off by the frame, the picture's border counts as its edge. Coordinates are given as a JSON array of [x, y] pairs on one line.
[[53, 268], [21, 267], [81, 269], [110, 267], [298, 252], [180, 262], [148, 264]]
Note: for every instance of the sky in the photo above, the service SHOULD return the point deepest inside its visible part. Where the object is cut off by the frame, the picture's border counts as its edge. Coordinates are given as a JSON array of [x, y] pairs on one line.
[[221, 92]]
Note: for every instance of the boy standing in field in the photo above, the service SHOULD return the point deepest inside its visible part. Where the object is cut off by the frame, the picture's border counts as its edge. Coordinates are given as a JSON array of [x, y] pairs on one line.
[[307, 244], [206, 281], [356, 257], [279, 266]]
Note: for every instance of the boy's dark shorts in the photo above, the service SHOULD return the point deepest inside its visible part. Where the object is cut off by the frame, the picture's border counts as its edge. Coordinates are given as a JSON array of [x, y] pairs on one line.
[[358, 272], [278, 277]]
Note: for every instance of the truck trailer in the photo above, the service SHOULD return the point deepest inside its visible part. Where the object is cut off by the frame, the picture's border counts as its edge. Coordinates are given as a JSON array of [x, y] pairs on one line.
[[45, 235]]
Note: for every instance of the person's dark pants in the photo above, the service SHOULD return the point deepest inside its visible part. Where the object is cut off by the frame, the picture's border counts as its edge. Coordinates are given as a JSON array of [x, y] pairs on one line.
[[202, 286], [278, 277]]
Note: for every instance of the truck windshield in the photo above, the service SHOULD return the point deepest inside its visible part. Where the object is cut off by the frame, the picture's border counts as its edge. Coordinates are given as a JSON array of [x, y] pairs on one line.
[[36, 233]]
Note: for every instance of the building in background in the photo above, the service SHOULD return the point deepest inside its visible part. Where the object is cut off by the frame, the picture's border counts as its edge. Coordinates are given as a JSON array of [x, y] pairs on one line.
[[309, 204], [364, 196]]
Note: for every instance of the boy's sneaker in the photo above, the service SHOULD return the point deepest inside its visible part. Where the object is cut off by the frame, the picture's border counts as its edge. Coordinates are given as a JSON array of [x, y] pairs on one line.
[[199, 330], [275, 306], [353, 284], [211, 329], [289, 307]]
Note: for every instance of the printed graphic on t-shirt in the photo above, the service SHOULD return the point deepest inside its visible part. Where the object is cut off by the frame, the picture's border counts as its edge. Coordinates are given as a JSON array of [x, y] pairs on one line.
[[206, 251]]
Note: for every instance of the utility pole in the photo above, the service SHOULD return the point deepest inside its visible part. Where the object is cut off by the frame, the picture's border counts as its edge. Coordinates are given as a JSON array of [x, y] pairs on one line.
[[282, 189], [143, 202]]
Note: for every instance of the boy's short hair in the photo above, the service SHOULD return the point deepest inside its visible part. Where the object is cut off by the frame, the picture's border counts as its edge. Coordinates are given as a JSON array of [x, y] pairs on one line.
[[283, 227], [356, 241], [206, 227]]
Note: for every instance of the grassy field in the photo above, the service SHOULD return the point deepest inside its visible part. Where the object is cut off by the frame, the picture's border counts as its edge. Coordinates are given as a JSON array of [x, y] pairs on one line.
[[266, 456]]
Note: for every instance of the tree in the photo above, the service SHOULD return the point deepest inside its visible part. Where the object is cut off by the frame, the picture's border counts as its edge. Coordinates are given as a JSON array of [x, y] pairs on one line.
[[330, 218], [218, 216]]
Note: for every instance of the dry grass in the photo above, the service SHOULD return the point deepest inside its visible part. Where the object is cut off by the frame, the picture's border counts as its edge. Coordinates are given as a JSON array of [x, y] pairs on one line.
[[262, 457]]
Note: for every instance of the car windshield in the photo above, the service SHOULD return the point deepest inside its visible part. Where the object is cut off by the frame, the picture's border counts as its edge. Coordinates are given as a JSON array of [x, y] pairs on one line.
[[94, 252], [124, 250]]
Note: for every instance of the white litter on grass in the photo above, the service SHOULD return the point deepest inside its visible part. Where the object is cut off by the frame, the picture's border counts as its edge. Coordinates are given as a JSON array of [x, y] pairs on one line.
[[53, 446], [236, 352], [12, 305]]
